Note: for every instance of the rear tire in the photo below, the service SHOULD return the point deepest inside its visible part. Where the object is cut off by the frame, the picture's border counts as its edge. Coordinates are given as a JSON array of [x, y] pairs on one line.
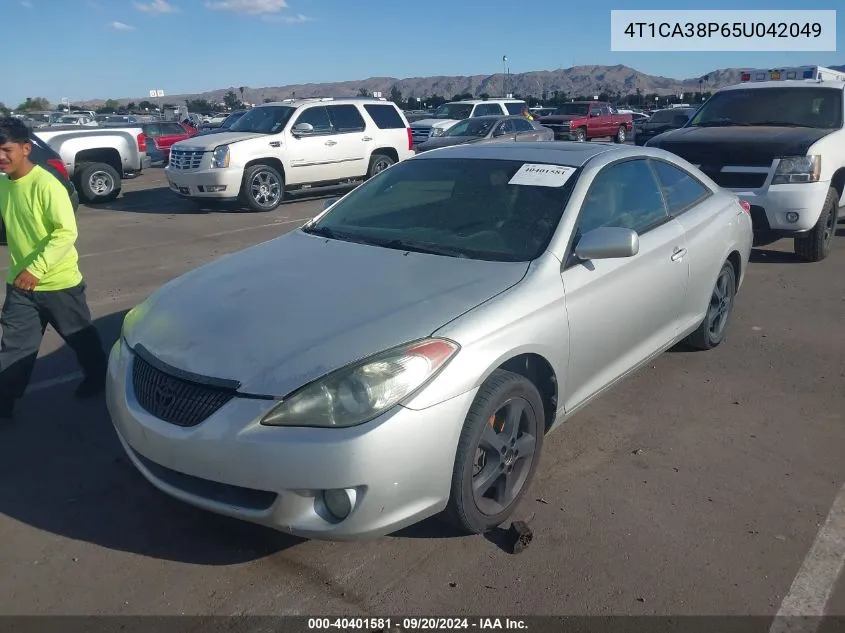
[[815, 246], [378, 163], [581, 135], [503, 458], [713, 329], [621, 135], [97, 182]]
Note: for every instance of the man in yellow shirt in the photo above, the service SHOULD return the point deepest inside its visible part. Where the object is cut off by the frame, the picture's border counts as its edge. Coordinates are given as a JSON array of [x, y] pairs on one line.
[[44, 285]]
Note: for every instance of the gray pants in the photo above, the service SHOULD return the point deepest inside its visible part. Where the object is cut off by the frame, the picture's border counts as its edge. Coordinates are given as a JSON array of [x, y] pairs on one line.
[[25, 316]]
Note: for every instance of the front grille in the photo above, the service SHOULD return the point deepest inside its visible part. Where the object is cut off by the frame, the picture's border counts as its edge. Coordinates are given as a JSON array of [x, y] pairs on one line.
[[175, 400], [185, 159], [420, 133], [736, 180]]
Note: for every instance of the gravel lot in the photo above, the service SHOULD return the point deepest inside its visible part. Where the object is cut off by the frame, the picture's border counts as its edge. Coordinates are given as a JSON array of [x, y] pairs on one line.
[[696, 487]]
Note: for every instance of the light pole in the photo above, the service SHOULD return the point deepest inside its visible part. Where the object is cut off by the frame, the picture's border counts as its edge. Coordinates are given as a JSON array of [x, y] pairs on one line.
[[504, 74]]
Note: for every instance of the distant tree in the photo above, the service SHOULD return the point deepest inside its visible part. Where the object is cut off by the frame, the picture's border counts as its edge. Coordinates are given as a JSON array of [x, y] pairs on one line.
[[435, 101], [109, 107], [169, 106], [3, 109], [231, 100], [462, 96], [241, 90], [146, 105], [267, 100], [33, 104], [484, 95], [198, 105], [363, 92], [131, 106], [396, 96]]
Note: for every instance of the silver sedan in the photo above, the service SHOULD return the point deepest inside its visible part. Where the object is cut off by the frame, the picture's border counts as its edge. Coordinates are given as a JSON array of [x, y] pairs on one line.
[[404, 353], [489, 129]]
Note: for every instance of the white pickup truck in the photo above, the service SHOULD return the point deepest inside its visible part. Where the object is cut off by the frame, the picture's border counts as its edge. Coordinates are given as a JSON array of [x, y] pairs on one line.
[[97, 159]]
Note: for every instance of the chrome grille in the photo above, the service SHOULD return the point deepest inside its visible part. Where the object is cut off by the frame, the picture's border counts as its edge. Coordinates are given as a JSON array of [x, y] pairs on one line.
[[735, 180], [175, 400], [420, 133], [185, 158]]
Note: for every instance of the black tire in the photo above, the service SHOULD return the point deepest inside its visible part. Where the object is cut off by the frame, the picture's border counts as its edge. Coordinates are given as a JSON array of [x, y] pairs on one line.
[[2, 232], [502, 391], [97, 182], [581, 134], [815, 246], [270, 197], [621, 135], [378, 163], [711, 333]]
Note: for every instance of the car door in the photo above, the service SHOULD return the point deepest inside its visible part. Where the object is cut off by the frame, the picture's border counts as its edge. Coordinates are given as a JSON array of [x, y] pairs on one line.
[[503, 131], [704, 217], [313, 156], [594, 122], [622, 311], [525, 131], [354, 141]]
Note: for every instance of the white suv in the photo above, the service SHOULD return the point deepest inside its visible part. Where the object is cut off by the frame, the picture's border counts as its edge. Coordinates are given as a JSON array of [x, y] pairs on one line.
[[291, 145], [450, 113]]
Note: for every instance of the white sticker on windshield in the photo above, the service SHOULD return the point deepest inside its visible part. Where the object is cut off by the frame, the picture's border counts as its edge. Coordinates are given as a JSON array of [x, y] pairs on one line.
[[540, 175]]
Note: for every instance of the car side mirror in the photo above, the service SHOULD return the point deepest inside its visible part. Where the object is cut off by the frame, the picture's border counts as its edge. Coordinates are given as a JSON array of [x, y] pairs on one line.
[[607, 242], [329, 203], [302, 129]]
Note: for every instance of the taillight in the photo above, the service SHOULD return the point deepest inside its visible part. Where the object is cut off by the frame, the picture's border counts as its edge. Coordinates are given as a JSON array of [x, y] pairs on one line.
[[59, 166], [746, 206], [410, 139], [142, 142]]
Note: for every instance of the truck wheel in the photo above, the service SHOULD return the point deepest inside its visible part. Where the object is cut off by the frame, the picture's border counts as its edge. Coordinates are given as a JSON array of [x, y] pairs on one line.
[[581, 134], [97, 182], [620, 135], [263, 188], [815, 246], [498, 452], [378, 163]]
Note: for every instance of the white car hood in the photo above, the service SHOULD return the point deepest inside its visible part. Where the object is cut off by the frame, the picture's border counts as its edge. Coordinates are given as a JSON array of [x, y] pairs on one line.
[[281, 314], [208, 143], [439, 123]]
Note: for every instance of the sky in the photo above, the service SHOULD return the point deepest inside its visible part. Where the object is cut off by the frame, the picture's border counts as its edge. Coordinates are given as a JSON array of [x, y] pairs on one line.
[[98, 49]]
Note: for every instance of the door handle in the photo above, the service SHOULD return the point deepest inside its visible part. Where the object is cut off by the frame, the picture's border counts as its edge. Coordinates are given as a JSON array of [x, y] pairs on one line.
[[678, 255], [330, 143], [367, 138]]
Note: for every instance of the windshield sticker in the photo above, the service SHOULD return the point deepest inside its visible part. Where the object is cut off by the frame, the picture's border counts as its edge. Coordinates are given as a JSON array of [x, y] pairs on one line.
[[539, 175]]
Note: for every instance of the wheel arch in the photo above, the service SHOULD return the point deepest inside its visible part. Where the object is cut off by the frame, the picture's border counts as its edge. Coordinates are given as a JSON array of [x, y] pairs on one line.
[[270, 161], [537, 370], [838, 183]]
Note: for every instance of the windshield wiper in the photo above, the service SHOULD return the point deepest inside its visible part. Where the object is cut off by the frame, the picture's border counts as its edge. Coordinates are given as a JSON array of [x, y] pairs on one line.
[[419, 247], [777, 124], [720, 123]]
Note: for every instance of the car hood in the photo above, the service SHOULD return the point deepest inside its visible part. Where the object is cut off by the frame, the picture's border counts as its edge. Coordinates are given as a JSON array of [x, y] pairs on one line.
[[281, 314], [447, 141], [435, 123], [752, 146], [558, 118], [200, 142]]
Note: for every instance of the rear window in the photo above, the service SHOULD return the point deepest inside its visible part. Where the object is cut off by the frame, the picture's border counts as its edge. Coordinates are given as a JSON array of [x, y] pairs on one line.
[[172, 128], [385, 116]]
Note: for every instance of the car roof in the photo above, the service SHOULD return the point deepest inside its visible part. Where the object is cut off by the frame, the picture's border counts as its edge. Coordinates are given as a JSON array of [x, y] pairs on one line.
[[571, 154], [295, 103], [788, 83]]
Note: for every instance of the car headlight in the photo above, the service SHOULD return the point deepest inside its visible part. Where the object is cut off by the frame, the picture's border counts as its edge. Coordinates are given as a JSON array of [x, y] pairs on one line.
[[220, 157], [364, 390], [793, 169], [438, 131]]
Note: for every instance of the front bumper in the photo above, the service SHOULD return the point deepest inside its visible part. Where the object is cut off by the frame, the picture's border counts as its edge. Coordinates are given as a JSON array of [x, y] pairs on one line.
[[770, 205], [197, 183], [400, 465]]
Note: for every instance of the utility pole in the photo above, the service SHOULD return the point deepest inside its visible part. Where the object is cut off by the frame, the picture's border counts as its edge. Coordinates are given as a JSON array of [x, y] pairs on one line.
[[504, 75]]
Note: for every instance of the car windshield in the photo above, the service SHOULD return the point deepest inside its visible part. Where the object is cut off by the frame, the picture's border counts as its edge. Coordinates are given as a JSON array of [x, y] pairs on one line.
[[811, 107], [472, 127], [230, 120], [452, 207], [264, 120], [573, 109], [453, 111], [668, 116]]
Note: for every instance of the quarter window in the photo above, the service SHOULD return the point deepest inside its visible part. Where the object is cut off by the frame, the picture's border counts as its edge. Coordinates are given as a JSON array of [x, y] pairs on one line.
[[681, 190]]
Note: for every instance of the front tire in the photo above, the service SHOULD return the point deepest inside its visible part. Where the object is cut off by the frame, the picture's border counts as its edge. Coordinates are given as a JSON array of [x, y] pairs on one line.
[[581, 135], [621, 135], [713, 329], [97, 182], [498, 452], [815, 246], [263, 188]]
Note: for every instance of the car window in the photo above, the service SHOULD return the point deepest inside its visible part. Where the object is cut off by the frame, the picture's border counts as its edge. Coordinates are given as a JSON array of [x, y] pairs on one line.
[[172, 128], [623, 195], [318, 117], [346, 118], [680, 189], [506, 127], [152, 130], [514, 108], [521, 125], [385, 116]]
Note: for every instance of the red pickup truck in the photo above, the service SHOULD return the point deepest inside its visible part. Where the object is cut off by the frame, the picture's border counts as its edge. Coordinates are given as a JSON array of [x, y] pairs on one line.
[[586, 120]]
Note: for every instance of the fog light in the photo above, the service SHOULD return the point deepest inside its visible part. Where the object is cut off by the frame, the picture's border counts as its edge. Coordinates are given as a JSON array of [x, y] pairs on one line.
[[792, 217], [339, 502], [215, 188]]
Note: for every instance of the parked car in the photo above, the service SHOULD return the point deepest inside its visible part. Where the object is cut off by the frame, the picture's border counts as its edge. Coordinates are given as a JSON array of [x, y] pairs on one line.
[[228, 122], [586, 120], [662, 121], [489, 129], [292, 146], [98, 158], [44, 156], [448, 114], [448, 313], [161, 136]]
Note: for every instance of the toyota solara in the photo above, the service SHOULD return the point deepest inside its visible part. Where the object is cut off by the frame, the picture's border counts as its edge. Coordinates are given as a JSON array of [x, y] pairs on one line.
[[403, 354]]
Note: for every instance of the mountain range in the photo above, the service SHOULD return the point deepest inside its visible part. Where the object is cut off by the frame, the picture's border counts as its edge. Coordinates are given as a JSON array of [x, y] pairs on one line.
[[579, 80]]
